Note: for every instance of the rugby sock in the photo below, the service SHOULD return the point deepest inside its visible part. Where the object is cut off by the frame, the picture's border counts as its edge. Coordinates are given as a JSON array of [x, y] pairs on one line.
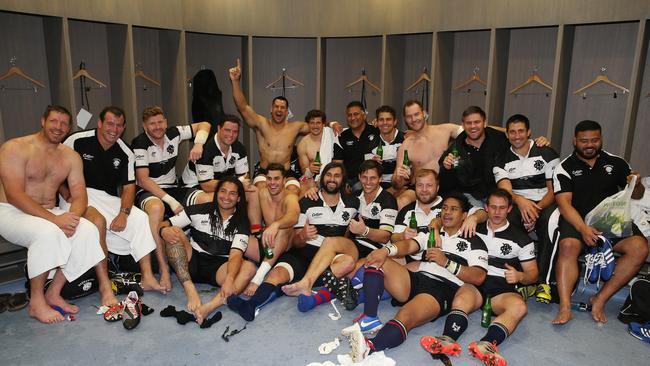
[[265, 294], [357, 279], [373, 287], [390, 336], [497, 333], [455, 324], [306, 303]]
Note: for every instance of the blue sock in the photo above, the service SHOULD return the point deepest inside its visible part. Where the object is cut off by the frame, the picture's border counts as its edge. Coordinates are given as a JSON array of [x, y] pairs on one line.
[[455, 324], [306, 303], [390, 336], [373, 287], [497, 333], [357, 279], [265, 294]]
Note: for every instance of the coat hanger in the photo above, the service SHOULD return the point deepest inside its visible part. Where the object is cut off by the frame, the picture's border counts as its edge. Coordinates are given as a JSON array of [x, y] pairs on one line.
[[281, 82], [532, 79], [16, 71], [83, 72], [423, 77], [363, 79], [474, 78], [604, 79], [140, 74]]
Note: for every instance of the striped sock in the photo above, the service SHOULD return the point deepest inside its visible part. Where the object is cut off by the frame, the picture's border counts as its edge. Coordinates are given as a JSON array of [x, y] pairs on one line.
[[390, 336], [497, 333], [306, 303]]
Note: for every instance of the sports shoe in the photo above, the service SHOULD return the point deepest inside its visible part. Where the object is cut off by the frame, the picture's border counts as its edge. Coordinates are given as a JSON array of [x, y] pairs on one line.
[[592, 265], [360, 346], [440, 345], [543, 293], [368, 324], [607, 263], [132, 311], [342, 289], [527, 291], [640, 331], [125, 282], [487, 352], [114, 313]]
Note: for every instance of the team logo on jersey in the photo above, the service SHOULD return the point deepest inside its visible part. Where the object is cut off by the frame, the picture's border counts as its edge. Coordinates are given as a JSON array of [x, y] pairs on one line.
[[577, 173], [153, 153], [88, 157], [539, 165], [374, 210], [371, 137], [511, 170], [116, 163], [349, 143], [506, 249], [609, 169], [170, 149], [461, 246], [345, 216], [232, 160]]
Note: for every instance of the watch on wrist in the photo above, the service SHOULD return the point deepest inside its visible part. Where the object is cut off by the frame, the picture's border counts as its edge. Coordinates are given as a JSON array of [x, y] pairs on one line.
[[126, 210]]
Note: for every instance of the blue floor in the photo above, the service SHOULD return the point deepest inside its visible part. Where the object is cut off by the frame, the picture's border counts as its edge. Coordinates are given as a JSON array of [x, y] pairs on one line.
[[281, 335]]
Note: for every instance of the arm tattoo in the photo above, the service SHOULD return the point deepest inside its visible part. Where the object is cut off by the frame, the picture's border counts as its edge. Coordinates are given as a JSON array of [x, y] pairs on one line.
[[177, 258]]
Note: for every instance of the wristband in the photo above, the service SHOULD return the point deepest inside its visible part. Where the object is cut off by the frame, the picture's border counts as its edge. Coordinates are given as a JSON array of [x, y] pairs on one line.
[[392, 249], [453, 267], [365, 233], [171, 201], [201, 137]]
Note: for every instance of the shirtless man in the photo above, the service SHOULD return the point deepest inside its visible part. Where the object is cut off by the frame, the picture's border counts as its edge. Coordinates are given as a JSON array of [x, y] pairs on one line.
[[31, 170], [280, 211], [275, 136], [425, 144], [319, 140]]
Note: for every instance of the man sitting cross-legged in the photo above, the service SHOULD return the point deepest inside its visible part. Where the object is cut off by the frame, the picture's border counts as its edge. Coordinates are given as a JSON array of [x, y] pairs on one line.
[[425, 294], [280, 211], [214, 254]]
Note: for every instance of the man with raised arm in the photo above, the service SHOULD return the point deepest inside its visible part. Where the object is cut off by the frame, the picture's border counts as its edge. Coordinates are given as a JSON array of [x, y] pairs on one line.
[[32, 168]]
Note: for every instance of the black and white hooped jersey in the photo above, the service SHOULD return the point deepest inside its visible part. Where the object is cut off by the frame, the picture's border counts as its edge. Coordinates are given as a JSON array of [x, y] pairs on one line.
[[508, 244], [469, 252], [216, 164], [389, 155], [590, 185], [527, 174], [328, 221], [161, 162], [423, 219], [201, 236], [105, 170], [378, 214]]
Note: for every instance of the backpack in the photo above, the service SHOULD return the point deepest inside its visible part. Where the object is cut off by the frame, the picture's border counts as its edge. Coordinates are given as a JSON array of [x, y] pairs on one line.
[[637, 305]]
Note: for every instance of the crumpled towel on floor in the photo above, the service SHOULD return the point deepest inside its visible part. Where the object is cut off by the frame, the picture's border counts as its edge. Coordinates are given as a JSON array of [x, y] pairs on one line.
[[374, 359]]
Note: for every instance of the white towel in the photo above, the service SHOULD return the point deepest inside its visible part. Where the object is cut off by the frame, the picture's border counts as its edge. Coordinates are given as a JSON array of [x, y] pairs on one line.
[[374, 359], [327, 141]]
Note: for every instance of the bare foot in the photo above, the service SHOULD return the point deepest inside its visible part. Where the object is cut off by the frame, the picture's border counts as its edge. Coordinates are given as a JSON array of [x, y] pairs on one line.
[[250, 289], [42, 312], [149, 283], [193, 301], [597, 310], [295, 289], [563, 316], [107, 297], [53, 299], [166, 281]]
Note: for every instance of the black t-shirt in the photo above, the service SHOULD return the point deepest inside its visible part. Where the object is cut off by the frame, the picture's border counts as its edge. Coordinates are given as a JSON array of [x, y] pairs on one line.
[[590, 185], [352, 149], [389, 156], [105, 170]]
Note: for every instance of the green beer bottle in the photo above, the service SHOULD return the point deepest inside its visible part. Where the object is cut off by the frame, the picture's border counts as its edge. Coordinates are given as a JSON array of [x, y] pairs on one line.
[[406, 161], [413, 223], [456, 154], [486, 316], [268, 252], [317, 158], [380, 151], [431, 242]]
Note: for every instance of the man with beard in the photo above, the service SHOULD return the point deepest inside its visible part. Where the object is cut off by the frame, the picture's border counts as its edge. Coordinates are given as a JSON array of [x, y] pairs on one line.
[[429, 290], [31, 170], [280, 211], [214, 254], [156, 151], [109, 166], [322, 224], [581, 182]]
